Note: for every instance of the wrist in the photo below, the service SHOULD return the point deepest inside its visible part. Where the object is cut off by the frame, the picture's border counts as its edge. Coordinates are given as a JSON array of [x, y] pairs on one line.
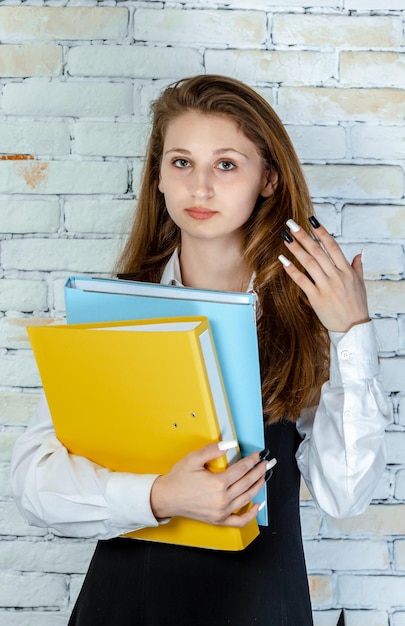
[[364, 320], [158, 500]]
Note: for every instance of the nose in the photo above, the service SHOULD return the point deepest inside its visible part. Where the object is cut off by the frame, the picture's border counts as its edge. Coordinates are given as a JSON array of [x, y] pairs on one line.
[[201, 184]]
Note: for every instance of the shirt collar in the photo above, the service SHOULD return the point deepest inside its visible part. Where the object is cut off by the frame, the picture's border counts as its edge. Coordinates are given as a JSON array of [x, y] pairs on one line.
[[172, 273]]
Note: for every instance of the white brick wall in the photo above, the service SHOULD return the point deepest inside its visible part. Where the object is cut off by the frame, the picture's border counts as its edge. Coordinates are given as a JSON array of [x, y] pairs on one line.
[[76, 80]]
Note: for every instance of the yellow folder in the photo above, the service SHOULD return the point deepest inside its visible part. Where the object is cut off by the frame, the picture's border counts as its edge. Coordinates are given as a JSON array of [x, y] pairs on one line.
[[136, 396]]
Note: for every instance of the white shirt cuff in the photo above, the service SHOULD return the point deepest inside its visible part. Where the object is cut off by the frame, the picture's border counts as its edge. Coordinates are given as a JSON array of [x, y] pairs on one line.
[[354, 355], [128, 499]]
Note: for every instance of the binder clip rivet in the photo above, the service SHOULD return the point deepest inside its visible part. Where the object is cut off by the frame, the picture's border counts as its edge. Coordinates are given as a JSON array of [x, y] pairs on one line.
[[175, 424], [193, 414]]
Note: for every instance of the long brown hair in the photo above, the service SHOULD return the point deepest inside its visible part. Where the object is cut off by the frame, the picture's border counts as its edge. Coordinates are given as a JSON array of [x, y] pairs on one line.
[[293, 343]]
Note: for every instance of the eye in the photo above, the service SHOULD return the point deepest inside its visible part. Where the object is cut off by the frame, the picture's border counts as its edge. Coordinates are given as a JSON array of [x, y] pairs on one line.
[[181, 163], [226, 166]]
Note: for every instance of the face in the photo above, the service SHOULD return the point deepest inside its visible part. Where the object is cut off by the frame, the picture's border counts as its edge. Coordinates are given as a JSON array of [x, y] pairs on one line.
[[211, 176]]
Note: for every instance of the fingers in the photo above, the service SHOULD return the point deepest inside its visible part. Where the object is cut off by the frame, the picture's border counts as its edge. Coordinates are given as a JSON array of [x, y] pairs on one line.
[[317, 252], [241, 492], [320, 254], [239, 520], [357, 264], [224, 497], [200, 459], [236, 507], [335, 289], [214, 451], [328, 245], [239, 476]]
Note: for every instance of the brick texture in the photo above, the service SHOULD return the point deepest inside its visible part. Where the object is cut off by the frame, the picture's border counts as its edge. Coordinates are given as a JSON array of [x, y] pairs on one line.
[[76, 82]]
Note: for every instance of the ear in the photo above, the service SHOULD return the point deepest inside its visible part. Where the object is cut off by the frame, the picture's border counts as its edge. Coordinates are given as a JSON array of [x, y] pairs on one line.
[[160, 185], [270, 180]]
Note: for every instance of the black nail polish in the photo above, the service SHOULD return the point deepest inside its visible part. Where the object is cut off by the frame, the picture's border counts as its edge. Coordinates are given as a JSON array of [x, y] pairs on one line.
[[268, 475], [264, 454], [314, 222], [286, 236]]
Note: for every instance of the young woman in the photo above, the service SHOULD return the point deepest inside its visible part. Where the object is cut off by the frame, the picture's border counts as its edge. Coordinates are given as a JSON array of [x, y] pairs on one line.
[[224, 205]]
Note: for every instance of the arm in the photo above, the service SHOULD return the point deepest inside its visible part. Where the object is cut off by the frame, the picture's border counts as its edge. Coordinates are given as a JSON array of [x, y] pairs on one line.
[[69, 493], [78, 498], [342, 456]]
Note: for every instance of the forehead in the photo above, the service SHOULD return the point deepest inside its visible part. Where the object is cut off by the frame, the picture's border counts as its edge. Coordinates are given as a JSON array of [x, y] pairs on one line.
[[207, 127]]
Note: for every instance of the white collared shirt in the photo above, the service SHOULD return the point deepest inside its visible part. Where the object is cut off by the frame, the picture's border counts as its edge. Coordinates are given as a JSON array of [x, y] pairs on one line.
[[172, 273], [341, 457]]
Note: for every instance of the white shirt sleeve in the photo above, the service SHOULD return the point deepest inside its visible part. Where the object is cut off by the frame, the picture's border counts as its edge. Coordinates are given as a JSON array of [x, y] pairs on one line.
[[69, 493], [342, 456]]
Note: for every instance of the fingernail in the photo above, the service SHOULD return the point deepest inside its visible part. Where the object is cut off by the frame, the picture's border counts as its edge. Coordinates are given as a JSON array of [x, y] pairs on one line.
[[284, 260], [264, 454], [313, 221], [362, 255], [228, 445], [262, 505], [286, 236], [269, 471], [293, 226]]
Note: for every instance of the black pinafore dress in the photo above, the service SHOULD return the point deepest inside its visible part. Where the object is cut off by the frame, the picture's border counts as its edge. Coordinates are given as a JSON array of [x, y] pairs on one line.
[[139, 583]]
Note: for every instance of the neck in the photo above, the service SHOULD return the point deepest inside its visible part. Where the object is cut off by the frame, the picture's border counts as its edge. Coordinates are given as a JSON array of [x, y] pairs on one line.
[[208, 265]]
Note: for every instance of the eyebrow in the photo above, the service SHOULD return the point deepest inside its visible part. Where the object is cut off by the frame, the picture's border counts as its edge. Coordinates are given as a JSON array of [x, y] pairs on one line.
[[217, 151]]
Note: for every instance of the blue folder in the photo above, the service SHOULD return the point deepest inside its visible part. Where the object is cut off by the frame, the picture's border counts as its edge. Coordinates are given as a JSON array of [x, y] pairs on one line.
[[232, 317]]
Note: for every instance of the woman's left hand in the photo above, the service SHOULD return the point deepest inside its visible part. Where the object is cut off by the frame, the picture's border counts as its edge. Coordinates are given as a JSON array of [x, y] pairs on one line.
[[336, 292]]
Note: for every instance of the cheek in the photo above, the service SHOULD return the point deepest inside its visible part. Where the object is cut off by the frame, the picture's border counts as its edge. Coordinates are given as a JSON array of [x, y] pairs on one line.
[[173, 215], [168, 182], [255, 194], [250, 197]]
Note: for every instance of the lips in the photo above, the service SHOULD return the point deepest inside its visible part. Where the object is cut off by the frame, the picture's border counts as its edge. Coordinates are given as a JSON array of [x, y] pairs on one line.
[[200, 213]]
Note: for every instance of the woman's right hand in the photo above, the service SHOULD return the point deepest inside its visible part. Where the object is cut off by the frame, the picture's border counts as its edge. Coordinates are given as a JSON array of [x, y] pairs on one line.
[[191, 490]]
